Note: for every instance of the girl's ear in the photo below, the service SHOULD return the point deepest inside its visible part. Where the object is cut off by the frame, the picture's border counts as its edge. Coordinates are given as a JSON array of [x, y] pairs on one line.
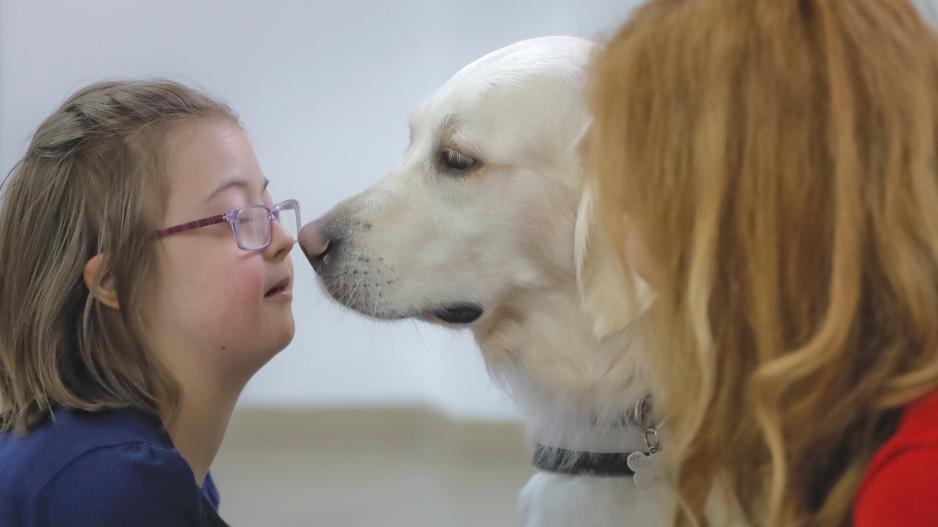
[[102, 287]]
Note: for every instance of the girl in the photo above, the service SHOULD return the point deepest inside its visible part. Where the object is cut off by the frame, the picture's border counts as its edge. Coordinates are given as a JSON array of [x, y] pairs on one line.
[[145, 276], [770, 168]]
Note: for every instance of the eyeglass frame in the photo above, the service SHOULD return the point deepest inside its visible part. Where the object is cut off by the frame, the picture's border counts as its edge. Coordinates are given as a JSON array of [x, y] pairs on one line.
[[231, 216]]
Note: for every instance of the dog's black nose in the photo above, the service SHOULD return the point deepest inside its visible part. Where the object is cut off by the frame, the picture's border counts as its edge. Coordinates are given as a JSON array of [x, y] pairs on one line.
[[318, 243]]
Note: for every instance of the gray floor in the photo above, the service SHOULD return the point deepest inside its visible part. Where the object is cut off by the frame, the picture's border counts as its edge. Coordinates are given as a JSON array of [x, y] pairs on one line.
[[369, 467]]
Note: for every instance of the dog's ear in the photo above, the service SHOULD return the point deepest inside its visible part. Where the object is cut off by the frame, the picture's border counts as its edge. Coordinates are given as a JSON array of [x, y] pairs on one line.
[[610, 294]]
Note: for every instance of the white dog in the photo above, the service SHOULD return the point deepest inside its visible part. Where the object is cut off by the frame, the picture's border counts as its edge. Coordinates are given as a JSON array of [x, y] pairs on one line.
[[479, 227]]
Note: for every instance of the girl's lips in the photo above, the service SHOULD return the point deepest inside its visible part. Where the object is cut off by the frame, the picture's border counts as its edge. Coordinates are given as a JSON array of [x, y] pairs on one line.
[[280, 288]]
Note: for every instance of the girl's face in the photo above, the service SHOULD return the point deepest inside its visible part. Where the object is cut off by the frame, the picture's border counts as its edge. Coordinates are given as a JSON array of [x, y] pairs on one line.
[[219, 310]]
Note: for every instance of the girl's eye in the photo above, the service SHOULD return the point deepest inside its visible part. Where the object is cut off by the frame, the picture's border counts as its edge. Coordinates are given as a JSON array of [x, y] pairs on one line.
[[457, 162]]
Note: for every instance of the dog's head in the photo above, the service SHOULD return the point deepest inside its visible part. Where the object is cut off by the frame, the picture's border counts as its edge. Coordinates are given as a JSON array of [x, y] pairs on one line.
[[483, 204]]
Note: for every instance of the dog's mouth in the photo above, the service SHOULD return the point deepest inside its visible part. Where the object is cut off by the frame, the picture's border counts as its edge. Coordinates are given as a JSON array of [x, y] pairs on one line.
[[458, 313]]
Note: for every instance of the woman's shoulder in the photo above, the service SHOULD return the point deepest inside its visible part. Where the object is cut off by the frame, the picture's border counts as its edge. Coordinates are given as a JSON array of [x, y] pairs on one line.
[[100, 464], [900, 486]]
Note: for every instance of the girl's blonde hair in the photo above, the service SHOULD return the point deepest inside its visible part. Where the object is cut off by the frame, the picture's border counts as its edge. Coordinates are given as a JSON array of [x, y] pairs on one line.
[[91, 183], [779, 160]]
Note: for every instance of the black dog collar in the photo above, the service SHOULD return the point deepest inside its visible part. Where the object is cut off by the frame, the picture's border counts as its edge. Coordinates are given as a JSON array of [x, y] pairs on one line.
[[579, 463]]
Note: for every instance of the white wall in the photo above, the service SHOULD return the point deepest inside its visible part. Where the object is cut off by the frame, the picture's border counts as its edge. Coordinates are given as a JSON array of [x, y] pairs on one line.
[[324, 89]]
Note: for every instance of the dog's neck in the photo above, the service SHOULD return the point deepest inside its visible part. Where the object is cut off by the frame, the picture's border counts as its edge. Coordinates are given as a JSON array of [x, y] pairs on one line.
[[572, 387]]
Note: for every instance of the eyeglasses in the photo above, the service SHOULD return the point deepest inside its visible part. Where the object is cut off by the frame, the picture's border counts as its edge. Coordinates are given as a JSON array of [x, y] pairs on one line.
[[252, 225]]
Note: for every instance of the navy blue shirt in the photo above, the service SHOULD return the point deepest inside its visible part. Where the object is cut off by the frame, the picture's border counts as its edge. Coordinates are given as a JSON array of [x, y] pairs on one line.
[[108, 468]]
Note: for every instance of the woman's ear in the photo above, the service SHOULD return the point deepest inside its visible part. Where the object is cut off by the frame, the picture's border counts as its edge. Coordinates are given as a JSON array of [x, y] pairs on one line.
[[611, 295], [637, 252], [102, 287]]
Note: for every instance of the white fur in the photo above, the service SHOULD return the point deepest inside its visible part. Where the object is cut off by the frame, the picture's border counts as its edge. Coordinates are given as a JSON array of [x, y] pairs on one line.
[[504, 237], [556, 500]]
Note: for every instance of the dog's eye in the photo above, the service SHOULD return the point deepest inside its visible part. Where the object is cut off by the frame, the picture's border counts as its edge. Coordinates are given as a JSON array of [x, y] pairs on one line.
[[457, 161]]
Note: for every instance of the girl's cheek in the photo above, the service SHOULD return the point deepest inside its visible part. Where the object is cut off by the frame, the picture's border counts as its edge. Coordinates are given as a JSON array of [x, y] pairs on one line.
[[242, 285]]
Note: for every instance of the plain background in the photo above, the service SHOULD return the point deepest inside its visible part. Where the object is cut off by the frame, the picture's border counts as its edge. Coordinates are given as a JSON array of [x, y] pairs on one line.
[[324, 90]]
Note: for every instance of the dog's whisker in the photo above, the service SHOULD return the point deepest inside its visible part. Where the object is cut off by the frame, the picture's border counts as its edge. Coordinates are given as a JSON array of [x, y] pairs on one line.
[[423, 341]]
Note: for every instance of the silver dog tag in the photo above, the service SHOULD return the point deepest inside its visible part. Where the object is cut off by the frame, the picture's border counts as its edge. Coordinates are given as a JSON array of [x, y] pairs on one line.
[[647, 468]]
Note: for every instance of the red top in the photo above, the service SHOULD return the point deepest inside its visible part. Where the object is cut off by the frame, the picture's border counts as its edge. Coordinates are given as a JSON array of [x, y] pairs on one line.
[[900, 486]]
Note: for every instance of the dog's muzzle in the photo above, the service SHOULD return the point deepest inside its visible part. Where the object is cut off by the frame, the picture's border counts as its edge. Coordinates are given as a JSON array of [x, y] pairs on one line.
[[319, 243]]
